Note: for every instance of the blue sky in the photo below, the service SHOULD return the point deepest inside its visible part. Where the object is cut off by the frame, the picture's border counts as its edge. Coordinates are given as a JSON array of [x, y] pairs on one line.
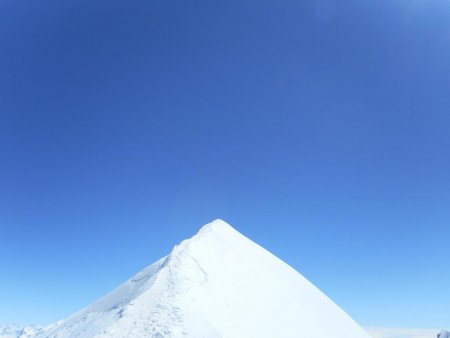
[[319, 129]]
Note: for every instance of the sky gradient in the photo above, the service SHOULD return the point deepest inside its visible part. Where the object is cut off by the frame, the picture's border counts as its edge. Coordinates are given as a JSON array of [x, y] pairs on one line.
[[319, 129]]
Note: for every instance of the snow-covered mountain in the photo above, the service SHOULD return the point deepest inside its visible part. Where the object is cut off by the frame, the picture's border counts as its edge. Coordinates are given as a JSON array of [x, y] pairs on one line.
[[215, 284], [31, 332], [12, 331]]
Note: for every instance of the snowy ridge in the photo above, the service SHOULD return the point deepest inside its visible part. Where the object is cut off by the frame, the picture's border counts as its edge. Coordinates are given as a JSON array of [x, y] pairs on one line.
[[216, 284], [11, 331]]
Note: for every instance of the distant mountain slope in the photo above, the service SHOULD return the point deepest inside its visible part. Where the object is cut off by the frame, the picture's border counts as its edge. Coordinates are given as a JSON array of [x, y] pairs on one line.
[[216, 284], [18, 332]]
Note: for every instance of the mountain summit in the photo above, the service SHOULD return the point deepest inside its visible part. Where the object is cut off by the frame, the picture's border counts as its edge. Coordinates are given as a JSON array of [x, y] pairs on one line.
[[216, 284]]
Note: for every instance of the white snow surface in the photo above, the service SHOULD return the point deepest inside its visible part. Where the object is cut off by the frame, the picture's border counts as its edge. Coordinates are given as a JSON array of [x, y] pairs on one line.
[[12, 331], [215, 284], [403, 333]]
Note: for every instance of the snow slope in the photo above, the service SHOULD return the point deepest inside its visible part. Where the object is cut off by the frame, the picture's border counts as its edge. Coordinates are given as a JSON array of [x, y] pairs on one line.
[[18, 332], [216, 284], [402, 333]]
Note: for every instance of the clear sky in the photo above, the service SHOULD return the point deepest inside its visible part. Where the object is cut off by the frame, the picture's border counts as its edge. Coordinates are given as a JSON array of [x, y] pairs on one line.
[[319, 129]]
